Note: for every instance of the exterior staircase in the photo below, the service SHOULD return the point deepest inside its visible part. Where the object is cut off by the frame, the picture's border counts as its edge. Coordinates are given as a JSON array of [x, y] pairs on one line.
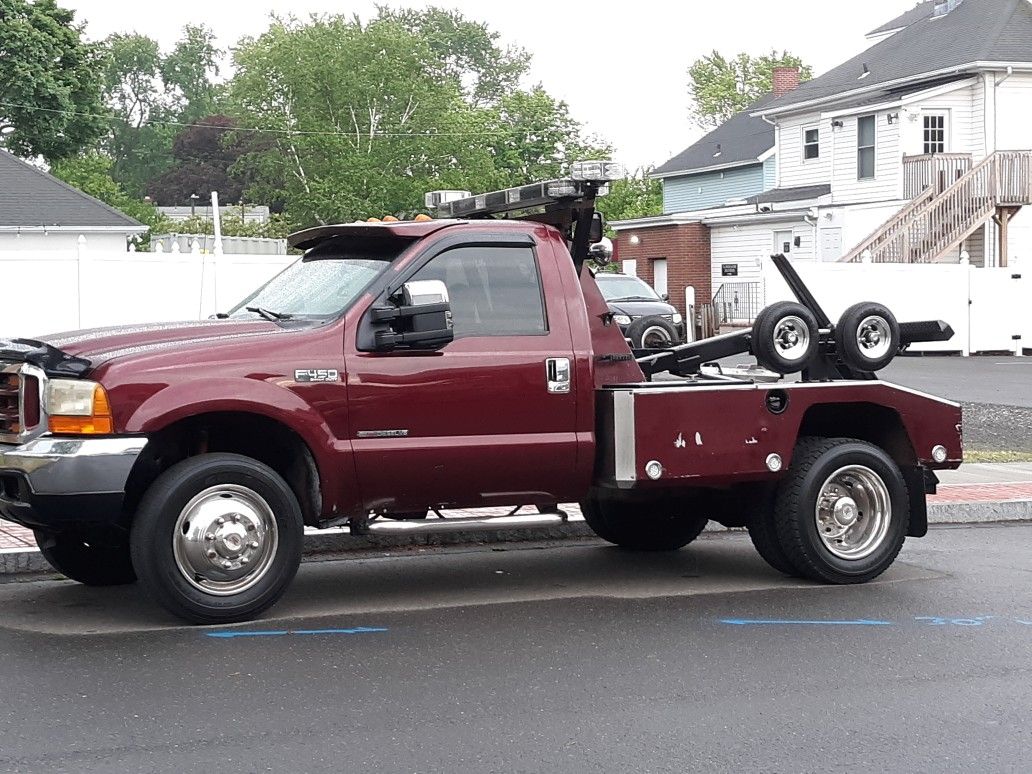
[[942, 215]]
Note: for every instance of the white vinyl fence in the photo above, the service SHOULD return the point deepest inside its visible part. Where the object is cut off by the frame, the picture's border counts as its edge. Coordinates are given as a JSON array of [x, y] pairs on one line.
[[990, 310], [47, 292]]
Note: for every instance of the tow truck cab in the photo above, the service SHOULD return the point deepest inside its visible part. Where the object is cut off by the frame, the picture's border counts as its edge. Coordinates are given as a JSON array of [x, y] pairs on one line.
[[461, 362]]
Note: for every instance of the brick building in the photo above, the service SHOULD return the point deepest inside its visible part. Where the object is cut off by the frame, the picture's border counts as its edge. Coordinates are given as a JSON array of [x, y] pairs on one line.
[[684, 250]]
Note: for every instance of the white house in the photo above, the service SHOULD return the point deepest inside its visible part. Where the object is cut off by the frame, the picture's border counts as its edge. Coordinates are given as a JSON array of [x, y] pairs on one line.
[[40, 213], [918, 150]]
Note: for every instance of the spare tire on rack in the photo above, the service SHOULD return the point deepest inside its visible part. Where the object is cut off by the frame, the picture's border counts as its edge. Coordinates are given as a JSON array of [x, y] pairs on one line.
[[785, 337], [867, 337]]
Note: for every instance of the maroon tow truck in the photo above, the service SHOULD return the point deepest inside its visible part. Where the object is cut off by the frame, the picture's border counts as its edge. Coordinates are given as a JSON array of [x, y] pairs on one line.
[[464, 361]]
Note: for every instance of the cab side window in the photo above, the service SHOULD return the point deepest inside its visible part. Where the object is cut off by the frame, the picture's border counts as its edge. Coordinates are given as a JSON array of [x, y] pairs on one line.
[[495, 291]]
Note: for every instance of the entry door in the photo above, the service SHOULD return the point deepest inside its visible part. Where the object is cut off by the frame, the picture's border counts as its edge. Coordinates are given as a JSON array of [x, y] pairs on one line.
[[630, 268], [477, 423], [831, 244], [659, 282]]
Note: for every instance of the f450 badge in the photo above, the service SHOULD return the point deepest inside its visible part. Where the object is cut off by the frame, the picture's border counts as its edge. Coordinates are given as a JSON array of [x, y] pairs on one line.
[[306, 375]]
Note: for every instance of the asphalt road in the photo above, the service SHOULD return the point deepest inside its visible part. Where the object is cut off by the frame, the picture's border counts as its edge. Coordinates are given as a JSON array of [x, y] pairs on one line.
[[551, 659], [1005, 381]]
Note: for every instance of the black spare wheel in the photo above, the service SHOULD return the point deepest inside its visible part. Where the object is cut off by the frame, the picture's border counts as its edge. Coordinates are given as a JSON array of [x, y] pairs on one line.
[[867, 337], [784, 337], [652, 333]]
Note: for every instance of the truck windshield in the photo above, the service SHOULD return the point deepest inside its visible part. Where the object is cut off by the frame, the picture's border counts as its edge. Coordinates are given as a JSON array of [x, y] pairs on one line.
[[624, 288], [323, 283]]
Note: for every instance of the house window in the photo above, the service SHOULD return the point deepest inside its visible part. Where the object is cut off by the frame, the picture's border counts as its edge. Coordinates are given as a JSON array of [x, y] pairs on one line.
[[934, 133], [783, 242], [865, 143], [811, 143]]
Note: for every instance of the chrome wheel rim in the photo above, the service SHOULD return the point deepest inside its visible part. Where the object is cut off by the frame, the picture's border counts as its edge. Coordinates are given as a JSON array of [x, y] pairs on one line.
[[792, 338], [225, 539], [853, 512], [873, 337], [655, 338]]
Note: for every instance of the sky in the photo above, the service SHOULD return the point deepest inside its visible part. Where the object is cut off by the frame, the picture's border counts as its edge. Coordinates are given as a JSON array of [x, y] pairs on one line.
[[621, 67]]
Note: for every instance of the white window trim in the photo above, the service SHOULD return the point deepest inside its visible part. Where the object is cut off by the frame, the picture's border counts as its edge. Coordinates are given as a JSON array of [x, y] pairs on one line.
[[804, 130], [873, 177], [947, 117]]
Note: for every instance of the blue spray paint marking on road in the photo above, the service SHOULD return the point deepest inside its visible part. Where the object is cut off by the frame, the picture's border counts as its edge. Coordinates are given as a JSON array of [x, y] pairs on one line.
[[228, 635], [786, 622]]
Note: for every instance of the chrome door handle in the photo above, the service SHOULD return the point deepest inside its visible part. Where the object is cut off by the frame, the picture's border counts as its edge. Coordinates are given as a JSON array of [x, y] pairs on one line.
[[557, 373]]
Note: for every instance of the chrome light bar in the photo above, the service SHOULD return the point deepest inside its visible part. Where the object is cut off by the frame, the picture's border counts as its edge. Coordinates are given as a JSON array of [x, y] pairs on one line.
[[587, 178]]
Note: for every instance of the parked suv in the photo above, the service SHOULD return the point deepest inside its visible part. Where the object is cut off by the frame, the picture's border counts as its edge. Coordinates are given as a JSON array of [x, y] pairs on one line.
[[643, 316]]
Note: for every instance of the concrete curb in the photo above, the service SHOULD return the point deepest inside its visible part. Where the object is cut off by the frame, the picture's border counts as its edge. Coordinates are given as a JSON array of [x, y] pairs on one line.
[[16, 562]]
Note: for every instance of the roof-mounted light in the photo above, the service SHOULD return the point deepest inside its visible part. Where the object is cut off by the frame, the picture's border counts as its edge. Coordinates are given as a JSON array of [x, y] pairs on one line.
[[597, 171], [435, 199]]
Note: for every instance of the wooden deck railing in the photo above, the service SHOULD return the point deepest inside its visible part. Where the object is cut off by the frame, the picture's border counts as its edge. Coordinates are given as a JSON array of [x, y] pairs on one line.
[[939, 171], [938, 221]]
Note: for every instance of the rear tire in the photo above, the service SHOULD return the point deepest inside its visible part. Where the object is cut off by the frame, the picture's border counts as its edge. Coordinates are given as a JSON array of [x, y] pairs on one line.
[[842, 512], [656, 525], [765, 541], [217, 538], [92, 561]]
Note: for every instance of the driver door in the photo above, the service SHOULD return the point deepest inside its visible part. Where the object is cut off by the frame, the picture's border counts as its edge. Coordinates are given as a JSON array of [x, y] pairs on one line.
[[478, 422]]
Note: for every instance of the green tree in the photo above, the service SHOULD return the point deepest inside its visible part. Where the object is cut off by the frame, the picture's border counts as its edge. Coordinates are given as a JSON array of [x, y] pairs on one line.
[[362, 119], [638, 196], [49, 81], [720, 87], [465, 51], [92, 173], [532, 136], [148, 93]]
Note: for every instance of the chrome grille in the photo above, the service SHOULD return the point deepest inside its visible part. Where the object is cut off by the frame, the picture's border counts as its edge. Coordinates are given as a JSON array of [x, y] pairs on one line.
[[10, 403]]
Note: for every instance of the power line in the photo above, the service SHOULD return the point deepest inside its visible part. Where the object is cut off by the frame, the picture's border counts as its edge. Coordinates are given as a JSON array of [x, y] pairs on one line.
[[257, 130]]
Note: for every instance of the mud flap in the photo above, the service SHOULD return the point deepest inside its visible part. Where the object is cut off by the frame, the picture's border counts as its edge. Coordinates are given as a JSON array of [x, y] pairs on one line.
[[920, 482]]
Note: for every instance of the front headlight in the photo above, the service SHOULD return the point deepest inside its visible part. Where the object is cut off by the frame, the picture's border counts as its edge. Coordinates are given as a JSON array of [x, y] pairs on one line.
[[78, 407], [678, 319], [621, 319]]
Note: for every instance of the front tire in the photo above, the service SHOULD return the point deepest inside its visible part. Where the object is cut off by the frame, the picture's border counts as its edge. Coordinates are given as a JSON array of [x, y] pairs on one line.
[[655, 525], [842, 512], [217, 538], [93, 560]]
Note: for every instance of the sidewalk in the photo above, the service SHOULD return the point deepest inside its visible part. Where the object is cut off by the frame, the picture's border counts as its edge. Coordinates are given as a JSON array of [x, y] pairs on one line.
[[977, 493]]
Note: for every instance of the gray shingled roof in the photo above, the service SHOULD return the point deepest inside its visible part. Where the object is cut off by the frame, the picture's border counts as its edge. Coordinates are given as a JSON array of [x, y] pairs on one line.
[[799, 194], [742, 139], [975, 31], [30, 198], [919, 12]]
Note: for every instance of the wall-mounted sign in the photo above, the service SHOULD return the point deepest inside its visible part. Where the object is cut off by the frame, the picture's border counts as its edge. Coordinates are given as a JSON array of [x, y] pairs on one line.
[[729, 269]]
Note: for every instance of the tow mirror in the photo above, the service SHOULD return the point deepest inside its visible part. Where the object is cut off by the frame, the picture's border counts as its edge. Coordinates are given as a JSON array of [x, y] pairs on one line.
[[420, 318]]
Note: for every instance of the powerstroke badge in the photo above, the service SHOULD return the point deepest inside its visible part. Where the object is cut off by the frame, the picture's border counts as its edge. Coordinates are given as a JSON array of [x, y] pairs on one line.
[[306, 375]]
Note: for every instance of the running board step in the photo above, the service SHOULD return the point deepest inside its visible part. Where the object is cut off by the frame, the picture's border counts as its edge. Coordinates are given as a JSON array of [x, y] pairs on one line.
[[482, 524]]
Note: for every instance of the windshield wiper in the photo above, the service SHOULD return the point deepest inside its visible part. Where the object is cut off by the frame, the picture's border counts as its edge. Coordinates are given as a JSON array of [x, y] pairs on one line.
[[631, 298], [268, 314]]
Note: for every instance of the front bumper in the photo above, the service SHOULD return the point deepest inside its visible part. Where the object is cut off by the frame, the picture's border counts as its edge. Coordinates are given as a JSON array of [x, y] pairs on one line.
[[50, 482]]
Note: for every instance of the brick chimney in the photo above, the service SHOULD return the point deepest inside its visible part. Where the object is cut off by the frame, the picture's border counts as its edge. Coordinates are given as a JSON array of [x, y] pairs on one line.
[[786, 79]]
